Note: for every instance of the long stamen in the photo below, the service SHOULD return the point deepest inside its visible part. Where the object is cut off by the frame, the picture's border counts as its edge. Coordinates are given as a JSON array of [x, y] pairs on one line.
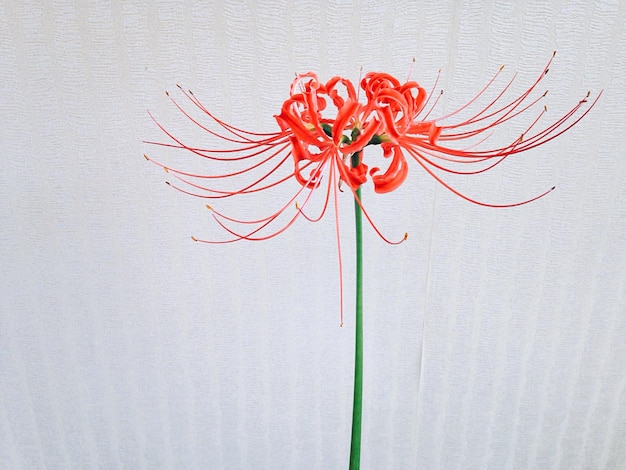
[[333, 179], [205, 153], [316, 139], [474, 201], [249, 188], [189, 94]]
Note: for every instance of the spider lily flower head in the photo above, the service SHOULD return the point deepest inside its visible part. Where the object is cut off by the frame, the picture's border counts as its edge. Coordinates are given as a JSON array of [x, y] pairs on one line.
[[324, 130]]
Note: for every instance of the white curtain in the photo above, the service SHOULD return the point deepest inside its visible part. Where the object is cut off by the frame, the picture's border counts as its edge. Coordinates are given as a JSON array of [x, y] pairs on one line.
[[494, 338]]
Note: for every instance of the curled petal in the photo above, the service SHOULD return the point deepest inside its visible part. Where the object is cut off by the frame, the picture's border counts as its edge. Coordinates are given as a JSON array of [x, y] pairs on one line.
[[395, 174], [300, 78], [288, 121], [353, 176], [375, 81], [343, 118], [367, 132], [416, 103], [391, 130], [338, 100], [428, 128]]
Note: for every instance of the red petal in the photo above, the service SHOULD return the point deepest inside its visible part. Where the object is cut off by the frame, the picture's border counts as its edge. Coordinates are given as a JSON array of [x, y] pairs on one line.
[[395, 174]]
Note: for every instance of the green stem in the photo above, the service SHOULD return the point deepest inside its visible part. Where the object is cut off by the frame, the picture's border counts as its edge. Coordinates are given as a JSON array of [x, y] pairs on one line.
[[357, 405]]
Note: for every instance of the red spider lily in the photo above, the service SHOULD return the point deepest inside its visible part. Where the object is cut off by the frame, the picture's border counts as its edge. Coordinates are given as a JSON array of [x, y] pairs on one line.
[[408, 129], [323, 126]]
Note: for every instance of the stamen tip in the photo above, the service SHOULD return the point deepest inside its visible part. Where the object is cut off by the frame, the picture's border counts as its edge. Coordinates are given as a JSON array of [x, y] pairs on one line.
[[167, 93], [166, 170], [552, 188], [209, 207], [501, 67], [146, 157], [553, 53], [406, 235], [194, 238], [297, 206]]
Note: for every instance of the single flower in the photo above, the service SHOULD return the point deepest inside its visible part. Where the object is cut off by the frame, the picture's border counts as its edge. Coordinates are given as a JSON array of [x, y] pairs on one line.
[[324, 130]]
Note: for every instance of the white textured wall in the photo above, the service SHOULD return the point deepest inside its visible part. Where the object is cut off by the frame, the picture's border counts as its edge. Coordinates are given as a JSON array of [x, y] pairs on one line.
[[494, 339]]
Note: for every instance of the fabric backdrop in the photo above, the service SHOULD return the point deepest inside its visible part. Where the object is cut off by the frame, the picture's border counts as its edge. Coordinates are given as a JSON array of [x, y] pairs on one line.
[[494, 338]]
